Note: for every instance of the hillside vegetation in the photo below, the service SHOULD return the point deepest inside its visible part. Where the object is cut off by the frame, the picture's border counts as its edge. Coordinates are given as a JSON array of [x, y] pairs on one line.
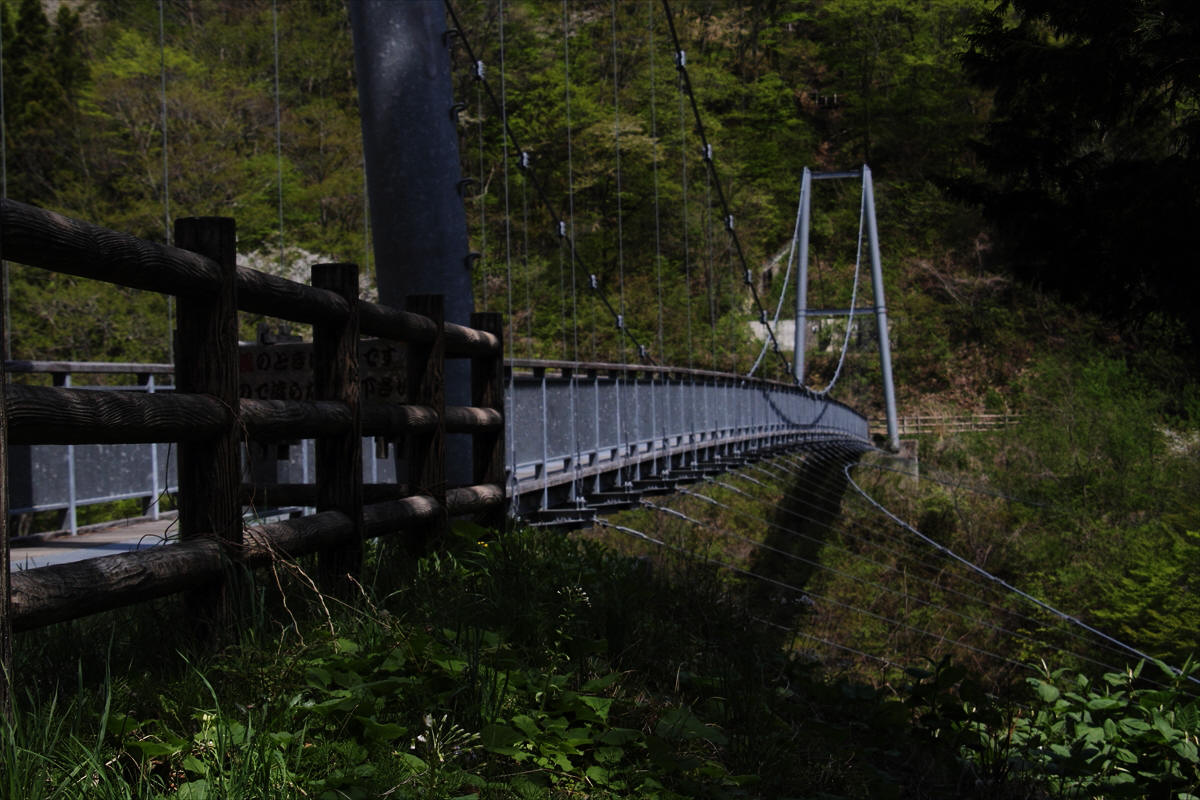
[[1035, 167]]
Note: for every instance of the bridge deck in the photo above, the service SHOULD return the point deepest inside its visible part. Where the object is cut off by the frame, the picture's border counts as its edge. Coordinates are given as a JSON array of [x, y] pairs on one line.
[[120, 538]]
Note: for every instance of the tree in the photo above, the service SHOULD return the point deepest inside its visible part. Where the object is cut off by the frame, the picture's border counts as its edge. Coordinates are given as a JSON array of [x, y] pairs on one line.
[[1094, 150]]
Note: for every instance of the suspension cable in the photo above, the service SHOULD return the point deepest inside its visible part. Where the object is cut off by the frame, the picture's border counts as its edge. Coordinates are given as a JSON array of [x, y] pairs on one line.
[[654, 166], [708, 266], [166, 192], [617, 151], [1001, 582], [687, 256], [786, 277], [508, 272], [528, 167], [278, 130], [932, 584], [862, 213], [686, 85], [805, 593], [978, 621]]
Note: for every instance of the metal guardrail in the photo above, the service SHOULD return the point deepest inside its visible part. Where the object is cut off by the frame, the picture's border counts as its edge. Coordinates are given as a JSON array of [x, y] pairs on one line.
[[581, 433], [69, 477], [576, 431]]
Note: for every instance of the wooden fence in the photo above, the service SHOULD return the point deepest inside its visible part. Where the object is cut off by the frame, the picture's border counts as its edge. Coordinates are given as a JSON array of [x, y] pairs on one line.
[[943, 423], [208, 420]]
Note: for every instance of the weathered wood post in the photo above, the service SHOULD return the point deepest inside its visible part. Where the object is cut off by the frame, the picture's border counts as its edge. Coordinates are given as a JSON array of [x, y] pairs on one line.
[[339, 458], [426, 453], [487, 391], [206, 362]]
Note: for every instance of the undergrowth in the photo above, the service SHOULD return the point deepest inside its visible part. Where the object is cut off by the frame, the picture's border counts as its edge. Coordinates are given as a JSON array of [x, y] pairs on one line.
[[533, 665]]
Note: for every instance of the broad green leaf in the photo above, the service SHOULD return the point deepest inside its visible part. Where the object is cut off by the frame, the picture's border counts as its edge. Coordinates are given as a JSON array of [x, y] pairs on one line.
[[526, 725], [1186, 750], [1047, 692], [618, 736], [1168, 731], [414, 763], [597, 774], [193, 790], [1134, 726], [380, 731], [121, 724], [150, 749], [601, 705], [609, 755], [496, 735], [597, 684], [1103, 704]]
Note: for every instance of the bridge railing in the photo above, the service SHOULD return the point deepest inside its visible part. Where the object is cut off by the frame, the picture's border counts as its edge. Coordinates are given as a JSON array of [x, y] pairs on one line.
[[206, 418], [579, 430], [70, 477]]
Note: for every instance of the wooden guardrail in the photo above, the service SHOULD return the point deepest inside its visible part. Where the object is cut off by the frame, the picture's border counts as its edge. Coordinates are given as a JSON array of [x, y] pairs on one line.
[[945, 423], [208, 420]]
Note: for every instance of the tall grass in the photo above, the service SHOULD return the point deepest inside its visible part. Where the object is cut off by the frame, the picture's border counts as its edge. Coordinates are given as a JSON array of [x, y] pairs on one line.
[[518, 664]]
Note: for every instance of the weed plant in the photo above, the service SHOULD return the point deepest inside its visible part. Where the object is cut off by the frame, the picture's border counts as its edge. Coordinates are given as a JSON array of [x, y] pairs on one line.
[[524, 664]]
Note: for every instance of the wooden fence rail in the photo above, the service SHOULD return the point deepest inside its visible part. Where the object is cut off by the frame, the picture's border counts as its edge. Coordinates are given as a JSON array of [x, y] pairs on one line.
[[944, 423], [209, 421]]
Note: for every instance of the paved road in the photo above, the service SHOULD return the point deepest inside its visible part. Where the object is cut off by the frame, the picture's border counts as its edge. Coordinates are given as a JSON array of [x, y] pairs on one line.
[[92, 544]]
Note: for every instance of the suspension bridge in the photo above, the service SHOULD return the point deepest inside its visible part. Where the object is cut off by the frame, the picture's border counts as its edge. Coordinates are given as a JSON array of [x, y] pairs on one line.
[[405, 413]]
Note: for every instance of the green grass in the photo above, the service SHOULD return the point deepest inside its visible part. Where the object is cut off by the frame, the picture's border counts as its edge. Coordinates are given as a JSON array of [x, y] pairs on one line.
[[522, 664]]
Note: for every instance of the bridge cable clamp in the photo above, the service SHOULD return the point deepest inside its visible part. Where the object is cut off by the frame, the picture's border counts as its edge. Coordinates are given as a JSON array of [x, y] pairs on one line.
[[748, 277], [593, 282], [562, 229], [478, 70], [643, 353], [681, 59], [729, 223], [708, 152], [620, 322], [525, 160]]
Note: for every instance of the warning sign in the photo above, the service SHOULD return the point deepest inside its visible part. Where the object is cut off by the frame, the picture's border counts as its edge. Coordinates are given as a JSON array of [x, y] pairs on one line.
[[285, 372]]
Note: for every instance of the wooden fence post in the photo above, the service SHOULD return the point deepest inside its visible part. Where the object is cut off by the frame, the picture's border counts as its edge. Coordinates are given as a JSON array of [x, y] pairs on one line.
[[339, 458], [206, 362], [487, 391], [426, 453]]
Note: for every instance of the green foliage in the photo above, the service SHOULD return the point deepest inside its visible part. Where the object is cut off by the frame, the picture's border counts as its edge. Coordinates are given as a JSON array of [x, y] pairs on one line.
[[1091, 147]]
